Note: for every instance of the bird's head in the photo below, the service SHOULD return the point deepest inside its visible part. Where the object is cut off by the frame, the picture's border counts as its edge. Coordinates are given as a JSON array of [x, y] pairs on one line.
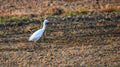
[[46, 21]]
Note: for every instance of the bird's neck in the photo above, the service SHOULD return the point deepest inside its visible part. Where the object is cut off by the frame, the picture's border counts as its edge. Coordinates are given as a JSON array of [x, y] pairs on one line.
[[44, 25]]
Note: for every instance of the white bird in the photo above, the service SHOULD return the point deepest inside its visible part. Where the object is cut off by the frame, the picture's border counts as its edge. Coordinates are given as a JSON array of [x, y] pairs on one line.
[[36, 35]]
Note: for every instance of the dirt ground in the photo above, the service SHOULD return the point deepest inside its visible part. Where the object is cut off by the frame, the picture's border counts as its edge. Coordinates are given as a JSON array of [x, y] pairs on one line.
[[66, 42], [91, 40]]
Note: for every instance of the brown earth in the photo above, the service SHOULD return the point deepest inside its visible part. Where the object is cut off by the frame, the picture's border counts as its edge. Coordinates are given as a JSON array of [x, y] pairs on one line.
[[67, 42], [82, 41]]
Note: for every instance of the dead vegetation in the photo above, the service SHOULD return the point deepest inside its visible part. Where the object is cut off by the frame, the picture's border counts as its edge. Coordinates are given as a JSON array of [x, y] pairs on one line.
[[76, 37], [41, 8], [64, 43]]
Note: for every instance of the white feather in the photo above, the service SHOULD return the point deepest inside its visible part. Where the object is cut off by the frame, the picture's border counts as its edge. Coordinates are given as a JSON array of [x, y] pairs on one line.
[[36, 35]]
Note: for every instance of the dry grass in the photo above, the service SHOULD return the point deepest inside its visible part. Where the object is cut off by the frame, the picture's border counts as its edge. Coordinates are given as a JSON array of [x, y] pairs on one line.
[[65, 43], [46, 7], [110, 8], [53, 10]]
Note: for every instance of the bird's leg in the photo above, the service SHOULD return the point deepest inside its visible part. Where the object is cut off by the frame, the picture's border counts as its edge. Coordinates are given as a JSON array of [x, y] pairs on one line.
[[35, 45]]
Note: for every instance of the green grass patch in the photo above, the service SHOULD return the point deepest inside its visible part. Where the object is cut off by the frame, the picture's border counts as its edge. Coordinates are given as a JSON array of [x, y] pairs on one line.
[[76, 12], [1, 32], [13, 19], [24, 18], [4, 19]]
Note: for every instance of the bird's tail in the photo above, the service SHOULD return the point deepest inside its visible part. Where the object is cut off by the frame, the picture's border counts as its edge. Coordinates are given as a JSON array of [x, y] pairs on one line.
[[30, 39]]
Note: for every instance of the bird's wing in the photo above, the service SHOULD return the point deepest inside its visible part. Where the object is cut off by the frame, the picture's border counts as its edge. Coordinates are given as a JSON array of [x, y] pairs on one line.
[[36, 35]]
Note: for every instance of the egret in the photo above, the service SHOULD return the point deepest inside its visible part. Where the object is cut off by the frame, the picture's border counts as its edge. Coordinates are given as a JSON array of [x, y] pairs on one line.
[[36, 35]]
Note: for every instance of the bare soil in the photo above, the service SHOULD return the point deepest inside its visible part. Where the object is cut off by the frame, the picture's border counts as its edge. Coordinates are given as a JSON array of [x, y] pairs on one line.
[[91, 40], [67, 42]]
